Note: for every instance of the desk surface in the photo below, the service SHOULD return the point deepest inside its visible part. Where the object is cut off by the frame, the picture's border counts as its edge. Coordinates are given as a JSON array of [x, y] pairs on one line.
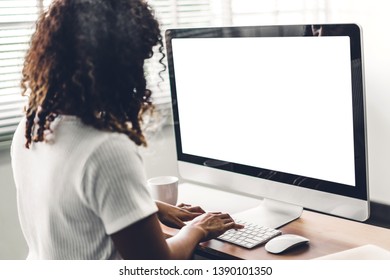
[[327, 234]]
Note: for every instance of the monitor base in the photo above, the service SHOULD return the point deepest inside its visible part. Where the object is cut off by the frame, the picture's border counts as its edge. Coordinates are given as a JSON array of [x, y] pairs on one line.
[[271, 213]]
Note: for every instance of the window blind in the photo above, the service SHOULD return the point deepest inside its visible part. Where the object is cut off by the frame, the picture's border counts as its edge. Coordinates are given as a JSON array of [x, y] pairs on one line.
[[17, 20], [253, 12]]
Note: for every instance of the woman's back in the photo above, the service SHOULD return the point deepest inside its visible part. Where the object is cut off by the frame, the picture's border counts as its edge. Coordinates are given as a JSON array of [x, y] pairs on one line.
[[77, 189]]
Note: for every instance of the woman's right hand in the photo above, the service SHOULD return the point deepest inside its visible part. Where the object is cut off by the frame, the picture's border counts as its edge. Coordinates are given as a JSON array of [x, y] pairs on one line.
[[214, 224]]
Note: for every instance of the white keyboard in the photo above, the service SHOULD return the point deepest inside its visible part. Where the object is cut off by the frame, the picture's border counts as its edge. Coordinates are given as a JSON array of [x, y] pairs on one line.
[[250, 236]]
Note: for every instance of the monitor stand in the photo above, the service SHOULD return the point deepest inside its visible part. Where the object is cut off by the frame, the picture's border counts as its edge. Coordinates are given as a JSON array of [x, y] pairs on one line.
[[270, 213]]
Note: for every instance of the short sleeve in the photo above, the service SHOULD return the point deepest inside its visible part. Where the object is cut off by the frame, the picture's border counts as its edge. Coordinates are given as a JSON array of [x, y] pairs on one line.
[[114, 184]]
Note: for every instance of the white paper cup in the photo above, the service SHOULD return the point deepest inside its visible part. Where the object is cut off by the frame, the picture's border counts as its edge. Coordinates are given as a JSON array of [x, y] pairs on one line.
[[164, 188]]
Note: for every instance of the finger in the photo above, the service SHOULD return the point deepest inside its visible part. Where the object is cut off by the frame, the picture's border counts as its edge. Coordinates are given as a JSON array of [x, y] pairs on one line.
[[233, 225], [228, 220], [214, 213], [238, 226], [181, 205], [224, 216], [197, 209], [189, 216], [185, 211]]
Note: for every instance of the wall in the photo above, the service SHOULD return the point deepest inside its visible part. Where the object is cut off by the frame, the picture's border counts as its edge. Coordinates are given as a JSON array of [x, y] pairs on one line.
[[12, 244], [372, 16]]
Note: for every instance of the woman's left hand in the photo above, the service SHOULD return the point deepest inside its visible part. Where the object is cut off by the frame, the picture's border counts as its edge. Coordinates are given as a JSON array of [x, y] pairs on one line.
[[175, 216]]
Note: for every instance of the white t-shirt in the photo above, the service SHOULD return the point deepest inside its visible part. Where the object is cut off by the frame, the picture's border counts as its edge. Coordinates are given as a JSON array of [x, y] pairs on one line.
[[76, 190]]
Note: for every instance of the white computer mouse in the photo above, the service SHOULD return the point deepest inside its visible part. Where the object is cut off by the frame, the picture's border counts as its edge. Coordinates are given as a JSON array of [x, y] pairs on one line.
[[284, 242]]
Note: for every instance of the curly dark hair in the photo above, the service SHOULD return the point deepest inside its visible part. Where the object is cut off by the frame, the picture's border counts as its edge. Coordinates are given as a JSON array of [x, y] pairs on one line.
[[86, 58]]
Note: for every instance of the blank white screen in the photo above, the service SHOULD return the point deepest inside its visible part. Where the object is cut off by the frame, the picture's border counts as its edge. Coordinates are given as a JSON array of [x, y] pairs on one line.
[[283, 104]]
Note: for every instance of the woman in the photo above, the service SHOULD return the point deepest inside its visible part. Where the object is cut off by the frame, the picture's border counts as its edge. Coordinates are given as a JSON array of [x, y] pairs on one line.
[[80, 183]]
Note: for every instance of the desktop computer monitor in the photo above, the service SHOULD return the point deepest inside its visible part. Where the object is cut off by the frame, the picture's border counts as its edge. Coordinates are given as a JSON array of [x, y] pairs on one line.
[[274, 112]]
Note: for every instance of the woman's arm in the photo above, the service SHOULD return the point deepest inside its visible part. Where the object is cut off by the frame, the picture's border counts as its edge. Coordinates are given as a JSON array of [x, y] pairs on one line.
[[145, 239]]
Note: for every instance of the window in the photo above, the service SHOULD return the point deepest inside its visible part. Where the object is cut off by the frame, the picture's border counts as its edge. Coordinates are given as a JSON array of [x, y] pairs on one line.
[[172, 13], [17, 18]]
